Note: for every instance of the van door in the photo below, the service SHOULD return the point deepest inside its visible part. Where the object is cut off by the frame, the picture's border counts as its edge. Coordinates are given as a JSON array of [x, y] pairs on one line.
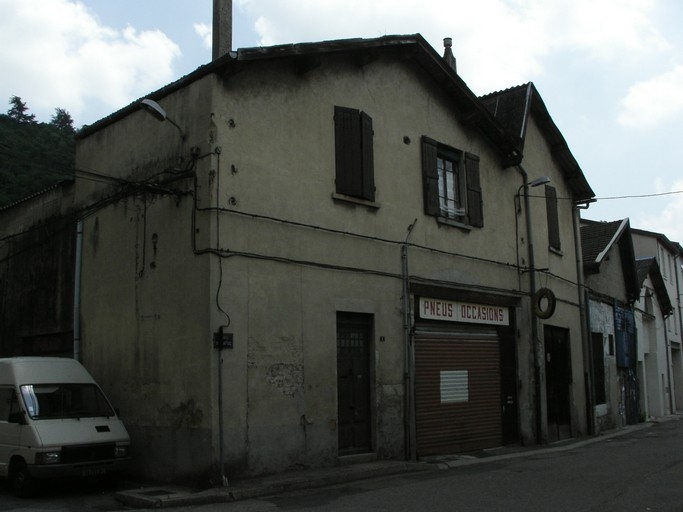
[[10, 429]]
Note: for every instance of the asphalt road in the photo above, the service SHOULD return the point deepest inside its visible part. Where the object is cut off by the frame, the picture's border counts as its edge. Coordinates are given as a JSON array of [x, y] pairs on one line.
[[639, 471]]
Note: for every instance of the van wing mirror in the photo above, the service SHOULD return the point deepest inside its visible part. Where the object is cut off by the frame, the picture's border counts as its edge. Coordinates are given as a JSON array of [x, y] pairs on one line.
[[17, 417]]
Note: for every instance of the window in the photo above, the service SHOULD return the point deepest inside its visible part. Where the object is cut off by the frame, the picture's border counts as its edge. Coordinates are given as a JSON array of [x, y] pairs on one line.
[[553, 219], [8, 404], [354, 157], [56, 401], [452, 189]]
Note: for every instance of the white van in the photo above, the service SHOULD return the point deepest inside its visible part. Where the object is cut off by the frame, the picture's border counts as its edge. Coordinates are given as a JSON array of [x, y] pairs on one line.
[[56, 422]]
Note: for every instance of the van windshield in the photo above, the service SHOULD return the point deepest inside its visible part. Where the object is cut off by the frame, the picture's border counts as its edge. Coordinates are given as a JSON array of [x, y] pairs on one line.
[[54, 401]]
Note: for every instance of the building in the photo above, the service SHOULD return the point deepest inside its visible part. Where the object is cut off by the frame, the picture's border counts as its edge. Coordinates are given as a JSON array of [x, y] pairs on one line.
[[613, 286], [668, 255], [651, 311], [309, 263]]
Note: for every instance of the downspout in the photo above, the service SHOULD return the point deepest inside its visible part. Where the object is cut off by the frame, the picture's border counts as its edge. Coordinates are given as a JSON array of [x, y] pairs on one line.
[[667, 350], [585, 321], [409, 368], [532, 316], [677, 312], [77, 291]]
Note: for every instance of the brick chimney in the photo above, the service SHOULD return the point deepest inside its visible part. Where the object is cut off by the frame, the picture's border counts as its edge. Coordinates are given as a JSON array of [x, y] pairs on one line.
[[222, 28], [448, 53]]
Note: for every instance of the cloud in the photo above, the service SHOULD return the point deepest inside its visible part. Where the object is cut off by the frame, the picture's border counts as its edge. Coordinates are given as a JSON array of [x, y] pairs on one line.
[[63, 44], [651, 102], [668, 219], [205, 32], [498, 43]]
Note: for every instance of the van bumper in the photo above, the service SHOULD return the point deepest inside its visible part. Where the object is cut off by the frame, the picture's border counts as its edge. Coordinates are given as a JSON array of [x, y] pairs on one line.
[[89, 469]]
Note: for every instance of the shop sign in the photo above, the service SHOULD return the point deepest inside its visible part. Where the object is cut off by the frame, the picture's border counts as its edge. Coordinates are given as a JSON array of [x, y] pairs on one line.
[[451, 311]]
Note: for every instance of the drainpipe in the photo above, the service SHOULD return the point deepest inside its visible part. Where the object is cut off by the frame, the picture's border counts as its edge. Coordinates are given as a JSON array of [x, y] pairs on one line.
[[667, 350], [585, 322], [77, 291], [532, 316], [677, 311], [409, 368]]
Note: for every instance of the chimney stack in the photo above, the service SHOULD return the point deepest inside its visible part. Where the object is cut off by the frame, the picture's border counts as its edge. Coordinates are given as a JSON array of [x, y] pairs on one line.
[[222, 28], [448, 53]]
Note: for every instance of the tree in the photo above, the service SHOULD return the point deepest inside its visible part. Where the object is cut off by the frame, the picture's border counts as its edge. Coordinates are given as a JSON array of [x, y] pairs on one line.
[[19, 111], [62, 120]]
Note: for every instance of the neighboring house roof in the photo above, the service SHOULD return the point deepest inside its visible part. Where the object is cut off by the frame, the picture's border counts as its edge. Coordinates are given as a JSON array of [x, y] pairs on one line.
[[649, 266], [413, 49], [513, 108], [598, 239], [59, 184], [673, 247]]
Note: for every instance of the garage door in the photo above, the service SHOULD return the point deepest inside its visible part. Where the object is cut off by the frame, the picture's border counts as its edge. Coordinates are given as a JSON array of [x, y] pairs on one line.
[[457, 390]]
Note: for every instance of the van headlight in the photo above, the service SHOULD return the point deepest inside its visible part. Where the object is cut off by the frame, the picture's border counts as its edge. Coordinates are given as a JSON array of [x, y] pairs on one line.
[[48, 458], [121, 451]]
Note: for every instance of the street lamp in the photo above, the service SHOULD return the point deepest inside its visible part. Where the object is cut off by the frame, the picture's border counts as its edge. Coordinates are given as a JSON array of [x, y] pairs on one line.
[[152, 107]]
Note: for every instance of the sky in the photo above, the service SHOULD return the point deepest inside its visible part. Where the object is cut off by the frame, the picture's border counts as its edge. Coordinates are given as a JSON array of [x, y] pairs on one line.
[[609, 71]]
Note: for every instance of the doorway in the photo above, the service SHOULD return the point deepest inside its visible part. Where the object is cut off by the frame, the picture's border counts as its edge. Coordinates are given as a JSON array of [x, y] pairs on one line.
[[558, 380], [354, 335]]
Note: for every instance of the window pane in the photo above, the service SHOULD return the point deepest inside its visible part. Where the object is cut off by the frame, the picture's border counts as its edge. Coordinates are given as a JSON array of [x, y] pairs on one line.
[[449, 193], [65, 401]]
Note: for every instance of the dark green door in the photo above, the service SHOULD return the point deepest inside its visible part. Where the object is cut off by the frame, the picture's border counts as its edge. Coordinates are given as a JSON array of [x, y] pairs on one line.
[[558, 381], [354, 333]]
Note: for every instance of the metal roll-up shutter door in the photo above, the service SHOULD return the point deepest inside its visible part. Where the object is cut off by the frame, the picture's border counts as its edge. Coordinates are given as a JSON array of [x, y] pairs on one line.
[[457, 390]]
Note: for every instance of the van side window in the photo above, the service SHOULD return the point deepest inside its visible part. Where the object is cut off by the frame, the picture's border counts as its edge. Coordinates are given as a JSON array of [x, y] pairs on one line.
[[8, 403]]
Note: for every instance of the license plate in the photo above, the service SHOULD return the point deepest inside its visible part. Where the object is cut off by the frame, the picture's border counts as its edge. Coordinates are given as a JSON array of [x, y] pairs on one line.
[[94, 472]]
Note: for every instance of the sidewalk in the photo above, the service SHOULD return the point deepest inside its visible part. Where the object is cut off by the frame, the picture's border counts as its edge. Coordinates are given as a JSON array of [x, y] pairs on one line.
[[165, 496]]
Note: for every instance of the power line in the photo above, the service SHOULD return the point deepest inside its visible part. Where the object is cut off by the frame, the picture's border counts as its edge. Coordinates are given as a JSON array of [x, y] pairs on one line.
[[640, 196]]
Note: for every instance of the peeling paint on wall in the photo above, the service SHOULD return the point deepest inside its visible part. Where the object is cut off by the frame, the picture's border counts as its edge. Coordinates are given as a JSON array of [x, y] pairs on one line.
[[288, 378]]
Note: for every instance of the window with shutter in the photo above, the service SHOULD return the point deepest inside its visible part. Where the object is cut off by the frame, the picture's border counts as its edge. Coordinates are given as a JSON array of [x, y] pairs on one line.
[[553, 219], [354, 157], [451, 184]]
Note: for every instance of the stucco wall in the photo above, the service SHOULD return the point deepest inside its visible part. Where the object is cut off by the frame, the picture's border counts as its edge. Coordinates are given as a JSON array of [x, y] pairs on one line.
[[266, 252]]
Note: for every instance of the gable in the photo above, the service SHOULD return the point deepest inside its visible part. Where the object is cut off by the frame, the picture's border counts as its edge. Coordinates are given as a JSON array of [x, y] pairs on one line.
[[513, 108]]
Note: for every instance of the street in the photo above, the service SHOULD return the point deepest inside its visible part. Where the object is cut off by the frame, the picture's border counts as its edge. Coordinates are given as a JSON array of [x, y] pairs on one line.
[[639, 471]]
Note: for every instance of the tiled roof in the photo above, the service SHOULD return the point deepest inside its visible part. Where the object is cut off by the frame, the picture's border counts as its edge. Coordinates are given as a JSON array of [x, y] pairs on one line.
[[513, 107], [649, 266], [596, 237]]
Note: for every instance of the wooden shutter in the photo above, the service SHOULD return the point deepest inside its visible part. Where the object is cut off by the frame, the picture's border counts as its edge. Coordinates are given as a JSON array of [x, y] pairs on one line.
[[367, 166], [553, 220], [430, 177], [475, 203], [347, 151]]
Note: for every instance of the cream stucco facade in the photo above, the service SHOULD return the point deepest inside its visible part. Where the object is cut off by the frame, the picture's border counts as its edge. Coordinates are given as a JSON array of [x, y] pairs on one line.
[[232, 224]]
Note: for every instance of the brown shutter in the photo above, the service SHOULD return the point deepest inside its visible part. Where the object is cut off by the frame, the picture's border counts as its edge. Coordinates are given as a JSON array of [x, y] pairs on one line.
[[347, 151], [475, 203], [430, 177], [553, 220], [367, 164]]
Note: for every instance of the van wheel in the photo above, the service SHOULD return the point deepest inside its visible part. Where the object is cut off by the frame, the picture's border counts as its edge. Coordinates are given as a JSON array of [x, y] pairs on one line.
[[21, 480]]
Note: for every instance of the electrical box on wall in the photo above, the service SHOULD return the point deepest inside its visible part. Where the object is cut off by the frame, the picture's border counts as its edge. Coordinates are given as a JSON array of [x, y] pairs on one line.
[[222, 340]]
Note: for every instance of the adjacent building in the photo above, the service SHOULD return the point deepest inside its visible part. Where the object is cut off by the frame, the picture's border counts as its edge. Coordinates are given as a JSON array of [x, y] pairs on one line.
[[668, 256]]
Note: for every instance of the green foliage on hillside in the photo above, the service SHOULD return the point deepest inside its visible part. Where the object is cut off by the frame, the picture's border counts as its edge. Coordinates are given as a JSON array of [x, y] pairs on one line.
[[33, 155]]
